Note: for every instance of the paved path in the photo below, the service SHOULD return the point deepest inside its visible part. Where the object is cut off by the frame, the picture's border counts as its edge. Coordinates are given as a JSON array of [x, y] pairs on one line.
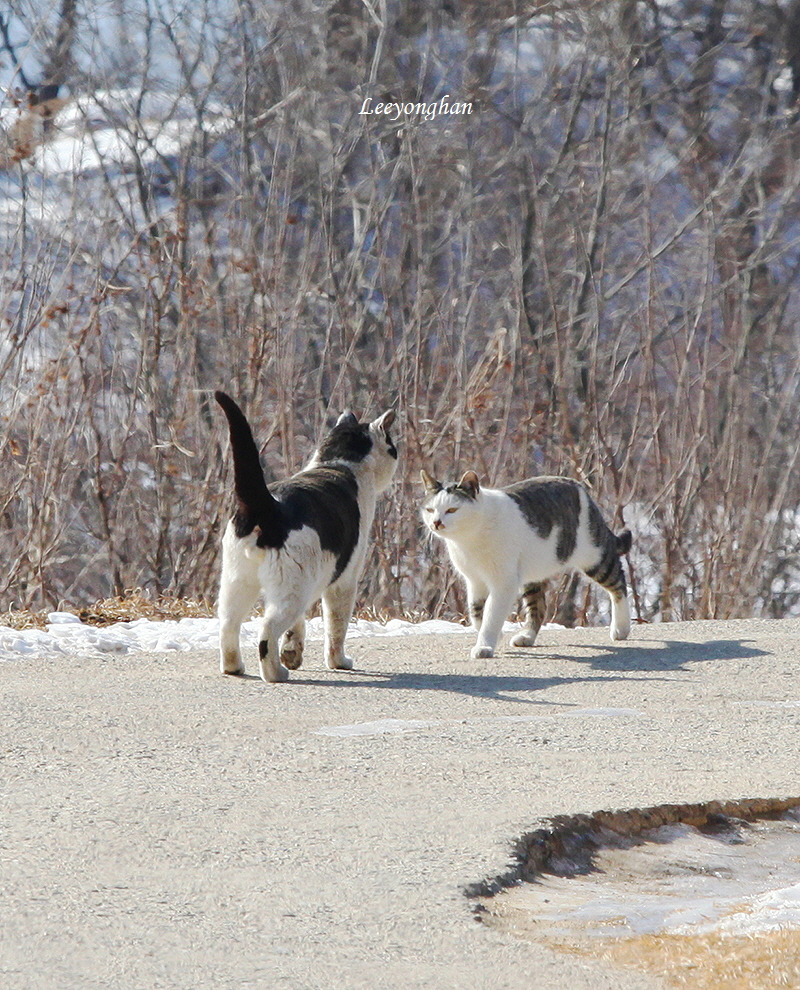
[[164, 826]]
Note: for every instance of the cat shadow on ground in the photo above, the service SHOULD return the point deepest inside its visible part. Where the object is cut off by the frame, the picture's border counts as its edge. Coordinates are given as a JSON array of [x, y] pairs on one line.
[[497, 686], [653, 656], [629, 657]]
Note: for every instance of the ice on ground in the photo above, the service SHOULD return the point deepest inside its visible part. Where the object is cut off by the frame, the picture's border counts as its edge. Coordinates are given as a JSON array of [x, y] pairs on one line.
[[679, 882], [379, 728], [389, 725]]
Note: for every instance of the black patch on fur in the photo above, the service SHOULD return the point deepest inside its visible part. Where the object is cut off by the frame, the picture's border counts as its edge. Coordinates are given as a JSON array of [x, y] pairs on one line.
[[549, 502], [326, 499], [263, 648], [255, 506], [455, 489], [598, 528], [348, 441]]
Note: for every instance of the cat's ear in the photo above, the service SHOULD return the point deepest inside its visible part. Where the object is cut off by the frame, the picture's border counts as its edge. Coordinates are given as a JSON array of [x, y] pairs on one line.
[[385, 421], [347, 419], [470, 484], [432, 486]]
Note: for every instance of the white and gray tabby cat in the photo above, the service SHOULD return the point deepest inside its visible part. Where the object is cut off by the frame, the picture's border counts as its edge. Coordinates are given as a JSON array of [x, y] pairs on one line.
[[507, 542], [303, 540]]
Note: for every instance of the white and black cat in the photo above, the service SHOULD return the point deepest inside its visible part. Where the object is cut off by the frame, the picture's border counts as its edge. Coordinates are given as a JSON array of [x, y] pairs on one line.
[[302, 540], [507, 542]]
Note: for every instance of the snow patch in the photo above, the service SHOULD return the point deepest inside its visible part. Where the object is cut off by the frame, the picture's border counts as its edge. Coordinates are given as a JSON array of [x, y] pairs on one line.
[[66, 634]]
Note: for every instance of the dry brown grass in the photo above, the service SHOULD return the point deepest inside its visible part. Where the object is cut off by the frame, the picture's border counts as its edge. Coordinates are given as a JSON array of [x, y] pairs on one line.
[[134, 604], [705, 961], [527, 292], [384, 615], [765, 961]]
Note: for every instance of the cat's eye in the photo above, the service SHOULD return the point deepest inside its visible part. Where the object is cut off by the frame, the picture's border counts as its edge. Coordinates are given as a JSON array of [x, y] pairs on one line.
[[448, 511], [428, 508]]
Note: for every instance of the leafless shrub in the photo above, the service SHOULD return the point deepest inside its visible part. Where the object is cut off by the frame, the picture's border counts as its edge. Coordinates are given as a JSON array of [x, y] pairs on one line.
[[594, 273]]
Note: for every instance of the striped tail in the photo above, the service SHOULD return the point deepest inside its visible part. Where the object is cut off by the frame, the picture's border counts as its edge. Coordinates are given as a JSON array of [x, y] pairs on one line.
[[255, 503], [624, 542], [608, 570]]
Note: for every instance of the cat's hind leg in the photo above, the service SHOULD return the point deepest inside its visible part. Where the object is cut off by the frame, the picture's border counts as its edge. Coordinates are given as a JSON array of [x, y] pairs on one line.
[[292, 645], [338, 602], [533, 605], [609, 575], [620, 617], [239, 588], [276, 622]]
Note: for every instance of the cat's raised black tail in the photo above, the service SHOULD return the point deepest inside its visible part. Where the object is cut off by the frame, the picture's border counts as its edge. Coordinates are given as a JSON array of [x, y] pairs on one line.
[[257, 507]]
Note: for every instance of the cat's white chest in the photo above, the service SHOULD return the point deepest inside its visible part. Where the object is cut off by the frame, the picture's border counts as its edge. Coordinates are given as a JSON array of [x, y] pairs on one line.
[[479, 558], [500, 545]]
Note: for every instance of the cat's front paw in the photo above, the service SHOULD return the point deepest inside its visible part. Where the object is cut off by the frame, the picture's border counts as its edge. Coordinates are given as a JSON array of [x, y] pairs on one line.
[[620, 620], [481, 652], [231, 663], [523, 639], [341, 663]]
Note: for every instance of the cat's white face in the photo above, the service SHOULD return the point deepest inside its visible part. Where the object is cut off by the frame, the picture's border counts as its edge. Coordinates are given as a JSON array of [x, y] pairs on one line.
[[449, 510]]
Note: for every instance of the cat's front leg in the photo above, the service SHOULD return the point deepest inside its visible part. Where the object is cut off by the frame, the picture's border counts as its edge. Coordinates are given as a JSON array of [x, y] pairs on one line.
[[608, 574], [337, 608], [292, 645], [495, 613], [477, 594]]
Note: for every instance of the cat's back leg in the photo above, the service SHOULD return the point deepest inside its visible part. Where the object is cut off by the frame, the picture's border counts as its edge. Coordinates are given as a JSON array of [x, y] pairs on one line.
[[338, 601], [608, 574], [533, 606], [278, 618], [292, 645], [238, 590]]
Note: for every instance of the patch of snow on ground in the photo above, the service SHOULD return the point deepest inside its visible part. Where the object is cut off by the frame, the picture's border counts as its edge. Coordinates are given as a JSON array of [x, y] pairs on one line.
[[677, 880], [66, 634]]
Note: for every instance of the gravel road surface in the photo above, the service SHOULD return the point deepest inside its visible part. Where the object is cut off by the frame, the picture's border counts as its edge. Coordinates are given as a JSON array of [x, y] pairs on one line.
[[163, 826]]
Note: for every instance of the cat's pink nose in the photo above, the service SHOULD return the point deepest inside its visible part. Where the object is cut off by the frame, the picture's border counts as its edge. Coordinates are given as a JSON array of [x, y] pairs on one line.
[[438, 524]]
